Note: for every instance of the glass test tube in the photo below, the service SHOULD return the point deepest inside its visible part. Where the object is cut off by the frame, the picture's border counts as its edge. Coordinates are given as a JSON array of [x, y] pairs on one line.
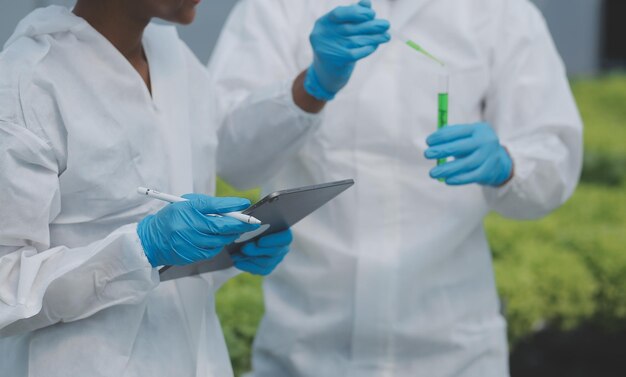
[[444, 82]]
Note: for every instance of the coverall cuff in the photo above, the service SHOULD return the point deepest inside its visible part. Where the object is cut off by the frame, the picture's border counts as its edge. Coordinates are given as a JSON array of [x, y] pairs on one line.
[[143, 260], [511, 190], [309, 118]]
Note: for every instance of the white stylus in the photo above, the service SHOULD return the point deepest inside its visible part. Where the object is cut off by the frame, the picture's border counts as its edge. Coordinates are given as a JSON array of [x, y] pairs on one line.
[[175, 199]]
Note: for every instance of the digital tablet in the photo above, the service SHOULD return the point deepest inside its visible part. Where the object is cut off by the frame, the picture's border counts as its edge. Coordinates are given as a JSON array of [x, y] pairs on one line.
[[277, 211]]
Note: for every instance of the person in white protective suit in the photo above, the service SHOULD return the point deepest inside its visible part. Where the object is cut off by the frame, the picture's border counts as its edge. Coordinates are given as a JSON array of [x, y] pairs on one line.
[[394, 278], [93, 103]]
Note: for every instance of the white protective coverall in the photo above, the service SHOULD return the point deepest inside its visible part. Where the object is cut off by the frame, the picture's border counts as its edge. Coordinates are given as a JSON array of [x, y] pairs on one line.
[[79, 131], [394, 277]]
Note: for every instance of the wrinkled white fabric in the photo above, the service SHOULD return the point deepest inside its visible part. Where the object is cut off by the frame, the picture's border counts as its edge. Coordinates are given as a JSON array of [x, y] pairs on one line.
[[79, 131], [394, 277]]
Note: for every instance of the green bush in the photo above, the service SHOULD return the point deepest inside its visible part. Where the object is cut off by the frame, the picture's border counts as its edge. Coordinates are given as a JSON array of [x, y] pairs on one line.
[[566, 269], [607, 169], [602, 104], [224, 189], [240, 307], [606, 260], [544, 286], [601, 242]]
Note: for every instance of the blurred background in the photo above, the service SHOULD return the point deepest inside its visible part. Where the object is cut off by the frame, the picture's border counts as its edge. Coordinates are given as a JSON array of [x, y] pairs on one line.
[[562, 280]]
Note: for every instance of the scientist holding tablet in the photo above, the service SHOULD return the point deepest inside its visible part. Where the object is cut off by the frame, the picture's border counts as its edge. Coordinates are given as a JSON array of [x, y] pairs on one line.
[[95, 102]]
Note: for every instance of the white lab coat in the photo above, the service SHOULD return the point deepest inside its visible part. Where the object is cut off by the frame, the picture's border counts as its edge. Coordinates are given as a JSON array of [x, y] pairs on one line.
[[394, 277], [79, 131]]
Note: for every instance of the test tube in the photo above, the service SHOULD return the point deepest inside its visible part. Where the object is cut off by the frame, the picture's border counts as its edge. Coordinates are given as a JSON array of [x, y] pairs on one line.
[[444, 83]]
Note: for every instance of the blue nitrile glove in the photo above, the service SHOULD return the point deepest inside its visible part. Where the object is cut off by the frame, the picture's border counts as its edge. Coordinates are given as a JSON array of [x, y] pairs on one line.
[[182, 233], [262, 257], [339, 39], [478, 155]]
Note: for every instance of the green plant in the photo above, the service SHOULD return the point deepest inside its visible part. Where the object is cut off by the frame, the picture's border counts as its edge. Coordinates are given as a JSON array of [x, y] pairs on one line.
[[602, 104], [607, 169], [224, 189], [544, 286], [240, 308]]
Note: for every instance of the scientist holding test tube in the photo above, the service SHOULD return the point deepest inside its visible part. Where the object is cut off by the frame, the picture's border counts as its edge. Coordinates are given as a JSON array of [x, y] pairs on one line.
[[395, 278], [94, 102]]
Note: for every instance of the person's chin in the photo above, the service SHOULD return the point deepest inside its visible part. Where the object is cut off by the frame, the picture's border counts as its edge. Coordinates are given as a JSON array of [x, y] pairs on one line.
[[185, 18]]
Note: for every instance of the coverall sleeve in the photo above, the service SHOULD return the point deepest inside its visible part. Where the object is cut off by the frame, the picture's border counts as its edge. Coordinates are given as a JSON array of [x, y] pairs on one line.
[[39, 285], [532, 108], [252, 71]]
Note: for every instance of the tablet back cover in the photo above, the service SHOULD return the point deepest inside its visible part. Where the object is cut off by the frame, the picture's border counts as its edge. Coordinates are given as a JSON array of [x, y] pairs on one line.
[[280, 210]]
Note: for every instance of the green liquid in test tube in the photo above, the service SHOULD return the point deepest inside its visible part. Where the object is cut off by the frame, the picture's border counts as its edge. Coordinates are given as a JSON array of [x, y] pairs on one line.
[[443, 109]]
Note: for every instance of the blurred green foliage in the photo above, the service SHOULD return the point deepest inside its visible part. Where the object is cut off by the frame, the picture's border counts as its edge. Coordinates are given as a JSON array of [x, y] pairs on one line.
[[608, 169], [566, 269], [240, 307], [601, 103], [560, 272], [224, 189]]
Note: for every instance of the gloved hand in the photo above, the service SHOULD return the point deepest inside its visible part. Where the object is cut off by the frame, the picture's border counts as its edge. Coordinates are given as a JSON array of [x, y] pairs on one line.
[[181, 233], [339, 39], [478, 155], [262, 257]]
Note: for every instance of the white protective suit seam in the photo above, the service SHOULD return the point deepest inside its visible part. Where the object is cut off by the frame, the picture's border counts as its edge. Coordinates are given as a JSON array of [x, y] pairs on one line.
[[125, 230], [45, 146], [39, 135], [24, 82], [286, 87], [22, 78], [281, 93], [503, 30]]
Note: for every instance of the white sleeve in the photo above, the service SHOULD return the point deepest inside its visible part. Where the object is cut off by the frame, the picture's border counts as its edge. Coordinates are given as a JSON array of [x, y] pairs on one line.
[[532, 108], [39, 285], [252, 71]]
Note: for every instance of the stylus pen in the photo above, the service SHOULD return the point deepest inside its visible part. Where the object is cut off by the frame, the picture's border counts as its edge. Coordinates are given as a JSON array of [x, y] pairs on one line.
[[175, 199]]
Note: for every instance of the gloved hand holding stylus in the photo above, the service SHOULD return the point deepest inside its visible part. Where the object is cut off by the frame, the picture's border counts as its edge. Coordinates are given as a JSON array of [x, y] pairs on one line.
[[181, 233], [339, 39]]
